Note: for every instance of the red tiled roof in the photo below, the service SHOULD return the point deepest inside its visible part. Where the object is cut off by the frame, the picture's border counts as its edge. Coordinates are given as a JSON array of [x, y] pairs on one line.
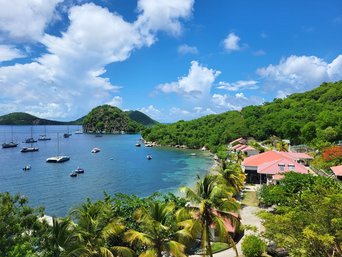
[[241, 147], [235, 147], [337, 170], [298, 155], [269, 163], [237, 140], [248, 148]]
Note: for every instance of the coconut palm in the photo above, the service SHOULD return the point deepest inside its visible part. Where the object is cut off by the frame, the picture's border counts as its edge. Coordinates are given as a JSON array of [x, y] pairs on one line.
[[233, 177], [159, 232], [211, 204], [62, 237], [96, 227]]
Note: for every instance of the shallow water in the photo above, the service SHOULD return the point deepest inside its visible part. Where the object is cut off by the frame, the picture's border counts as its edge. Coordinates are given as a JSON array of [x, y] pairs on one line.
[[118, 167]]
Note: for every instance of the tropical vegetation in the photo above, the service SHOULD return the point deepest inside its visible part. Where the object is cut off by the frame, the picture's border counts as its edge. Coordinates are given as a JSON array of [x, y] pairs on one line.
[[307, 215], [312, 117]]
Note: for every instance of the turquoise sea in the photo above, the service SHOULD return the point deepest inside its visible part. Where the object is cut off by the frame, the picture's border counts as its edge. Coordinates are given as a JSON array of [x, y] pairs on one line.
[[120, 166]]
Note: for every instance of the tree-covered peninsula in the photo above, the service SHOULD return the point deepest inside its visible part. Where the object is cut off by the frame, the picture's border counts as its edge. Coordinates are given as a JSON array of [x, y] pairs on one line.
[[308, 117], [110, 119], [22, 118]]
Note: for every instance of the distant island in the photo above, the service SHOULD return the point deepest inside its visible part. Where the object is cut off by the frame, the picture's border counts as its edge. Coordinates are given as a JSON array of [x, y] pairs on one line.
[[102, 118]]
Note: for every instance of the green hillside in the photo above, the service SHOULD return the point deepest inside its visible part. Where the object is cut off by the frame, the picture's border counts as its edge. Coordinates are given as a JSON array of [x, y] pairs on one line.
[[21, 118], [302, 118], [109, 119], [141, 118]]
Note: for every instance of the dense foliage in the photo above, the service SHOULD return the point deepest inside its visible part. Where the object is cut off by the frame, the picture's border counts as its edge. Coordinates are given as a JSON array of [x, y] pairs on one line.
[[307, 117], [307, 219], [109, 119], [20, 229], [141, 118], [252, 246]]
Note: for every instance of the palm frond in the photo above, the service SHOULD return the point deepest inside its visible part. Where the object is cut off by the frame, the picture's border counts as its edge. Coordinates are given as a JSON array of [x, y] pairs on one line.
[[149, 253], [122, 251], [105, 252], [132, 236], [176, 249]]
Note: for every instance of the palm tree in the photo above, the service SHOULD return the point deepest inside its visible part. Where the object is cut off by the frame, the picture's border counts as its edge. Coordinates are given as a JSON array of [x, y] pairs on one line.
[[233, 177], [160, 231], [96, 227], [211, 204], [62, 237]]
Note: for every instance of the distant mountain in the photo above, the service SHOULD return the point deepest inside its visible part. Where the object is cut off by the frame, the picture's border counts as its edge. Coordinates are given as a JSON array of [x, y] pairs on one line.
[[22, 118], [141, 118], [110, 119]]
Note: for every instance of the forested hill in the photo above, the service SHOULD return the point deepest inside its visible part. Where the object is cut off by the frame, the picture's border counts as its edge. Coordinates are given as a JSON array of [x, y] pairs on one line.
[[141, 118], [302, 118], [22, 118], [111, 120]]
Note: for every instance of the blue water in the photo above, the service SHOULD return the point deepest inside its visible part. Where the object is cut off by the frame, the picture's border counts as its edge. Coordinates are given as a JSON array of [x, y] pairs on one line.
[[119, 167]]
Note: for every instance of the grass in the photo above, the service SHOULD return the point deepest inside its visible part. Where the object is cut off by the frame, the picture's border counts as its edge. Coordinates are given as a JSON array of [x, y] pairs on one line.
[[219, 246], [250, 198]]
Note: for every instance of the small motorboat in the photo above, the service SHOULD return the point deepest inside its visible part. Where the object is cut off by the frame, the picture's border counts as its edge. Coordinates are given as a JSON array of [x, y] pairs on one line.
[[193, 154], [149, 157], [73, 174], [137, 144], [27, 167], [29, 149], [95, 150], [67, 135], [79, 170]]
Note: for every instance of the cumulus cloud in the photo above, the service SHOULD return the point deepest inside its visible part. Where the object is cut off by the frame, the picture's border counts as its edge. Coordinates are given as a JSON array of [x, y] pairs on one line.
[[9, 52], [25, 20], [238, 85], [55, 84], [300, 73], [116, 101], [163, 15], [195, 85], [231, 42], [186, 49], [151, 111], [227, 102]]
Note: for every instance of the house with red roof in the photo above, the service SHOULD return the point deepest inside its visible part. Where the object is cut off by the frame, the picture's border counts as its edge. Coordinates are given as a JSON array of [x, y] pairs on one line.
[[269, 166], [337, 171], [240, 145]]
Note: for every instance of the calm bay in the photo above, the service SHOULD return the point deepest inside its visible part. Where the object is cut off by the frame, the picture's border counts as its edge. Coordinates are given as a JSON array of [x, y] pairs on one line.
[[120, 167]]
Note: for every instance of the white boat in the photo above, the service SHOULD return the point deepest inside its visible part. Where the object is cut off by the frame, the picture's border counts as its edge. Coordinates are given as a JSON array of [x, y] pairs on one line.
[[149, 157], [44, 138], [29, 149], [78, 132], [59, 158], [95, 150]]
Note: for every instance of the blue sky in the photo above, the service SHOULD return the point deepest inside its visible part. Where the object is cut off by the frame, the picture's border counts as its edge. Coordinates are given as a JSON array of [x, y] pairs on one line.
[[172, 60]]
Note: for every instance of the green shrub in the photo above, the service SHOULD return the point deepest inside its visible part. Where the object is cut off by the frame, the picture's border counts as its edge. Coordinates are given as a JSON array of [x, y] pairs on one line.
[[253, 246]]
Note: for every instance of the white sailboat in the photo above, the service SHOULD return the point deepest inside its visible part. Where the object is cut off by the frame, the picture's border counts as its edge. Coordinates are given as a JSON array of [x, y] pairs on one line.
[[58, 158], [9, 144], [31, 148]]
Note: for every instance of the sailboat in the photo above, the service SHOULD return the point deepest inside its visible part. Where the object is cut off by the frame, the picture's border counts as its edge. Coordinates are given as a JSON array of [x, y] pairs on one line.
[[58, 158], [66, 135], [44, 137], [31, 148], [10, 144]]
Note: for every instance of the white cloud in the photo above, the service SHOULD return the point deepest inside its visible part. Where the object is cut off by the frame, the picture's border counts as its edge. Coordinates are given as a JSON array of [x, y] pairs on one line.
[[300, 73], [175, 111], [227, 102], [25, 20], [9, 52], [163, 15], [240, 96], [195, 85], [73, 70], [186, 49], [151, 111], [116, 101], [238, 85], [231, 43]]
